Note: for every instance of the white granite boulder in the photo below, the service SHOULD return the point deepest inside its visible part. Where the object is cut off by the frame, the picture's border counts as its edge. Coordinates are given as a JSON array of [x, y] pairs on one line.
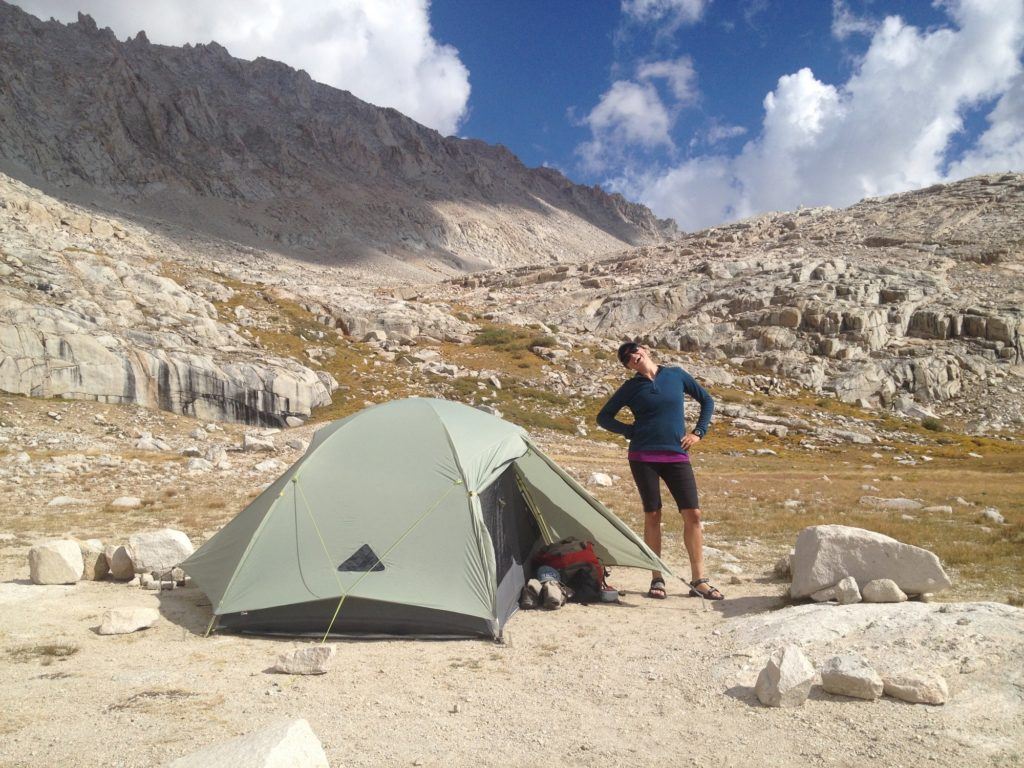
[[119, 560], [124, 621], [883, 591], [126, 502], [786, 679], [826, 554], [57, 561], [916, 689], [851, 675], [158, 550], [309, 660], [94, 560], [284, 745]]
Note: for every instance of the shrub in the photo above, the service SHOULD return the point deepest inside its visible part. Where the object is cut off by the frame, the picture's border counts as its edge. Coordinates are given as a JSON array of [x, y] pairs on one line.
[[930, 422]]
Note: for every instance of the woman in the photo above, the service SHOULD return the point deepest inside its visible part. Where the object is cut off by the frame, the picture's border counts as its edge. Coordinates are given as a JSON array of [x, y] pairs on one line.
[[659, 450]]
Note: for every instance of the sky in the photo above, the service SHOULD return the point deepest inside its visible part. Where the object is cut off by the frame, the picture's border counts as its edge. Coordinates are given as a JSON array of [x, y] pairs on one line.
[[707, 111]]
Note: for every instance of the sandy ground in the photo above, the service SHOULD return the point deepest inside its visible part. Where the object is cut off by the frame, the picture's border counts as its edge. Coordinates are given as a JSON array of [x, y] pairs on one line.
[[643, 682]]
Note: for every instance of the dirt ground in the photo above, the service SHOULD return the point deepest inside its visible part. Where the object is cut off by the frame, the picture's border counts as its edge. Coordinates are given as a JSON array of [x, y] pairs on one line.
[[644, 682]]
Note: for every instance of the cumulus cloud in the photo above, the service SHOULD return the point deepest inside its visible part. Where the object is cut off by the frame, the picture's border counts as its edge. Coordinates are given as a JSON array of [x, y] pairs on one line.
[[383, 51], [628, 114], [675, 13], [889, 128]]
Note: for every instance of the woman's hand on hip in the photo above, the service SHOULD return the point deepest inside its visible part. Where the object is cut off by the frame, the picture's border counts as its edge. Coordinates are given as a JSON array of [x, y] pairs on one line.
[[689, 441]]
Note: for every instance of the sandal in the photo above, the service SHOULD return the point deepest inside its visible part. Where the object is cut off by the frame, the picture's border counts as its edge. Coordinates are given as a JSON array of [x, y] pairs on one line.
[[711, 593], [657, 589]]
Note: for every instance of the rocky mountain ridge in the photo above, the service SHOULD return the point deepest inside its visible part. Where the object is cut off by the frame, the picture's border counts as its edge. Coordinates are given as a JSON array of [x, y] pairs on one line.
[[258, 152]]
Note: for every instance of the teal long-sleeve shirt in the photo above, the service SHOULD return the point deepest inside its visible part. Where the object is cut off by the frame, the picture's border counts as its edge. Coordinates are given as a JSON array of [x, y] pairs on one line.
[[657, 406]]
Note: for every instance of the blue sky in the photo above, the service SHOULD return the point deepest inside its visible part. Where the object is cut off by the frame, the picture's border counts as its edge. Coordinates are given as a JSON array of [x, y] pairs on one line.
[[705, 110]]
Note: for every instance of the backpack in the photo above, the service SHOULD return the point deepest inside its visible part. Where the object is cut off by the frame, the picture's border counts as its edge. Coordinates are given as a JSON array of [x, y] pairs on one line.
[[578, 565]]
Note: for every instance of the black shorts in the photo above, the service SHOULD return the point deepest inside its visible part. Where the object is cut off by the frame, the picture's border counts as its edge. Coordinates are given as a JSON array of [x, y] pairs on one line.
[[678, 476]]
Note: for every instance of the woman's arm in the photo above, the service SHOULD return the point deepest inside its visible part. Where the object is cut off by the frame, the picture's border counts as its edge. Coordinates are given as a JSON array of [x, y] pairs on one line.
[[606, 418], [707, 404]]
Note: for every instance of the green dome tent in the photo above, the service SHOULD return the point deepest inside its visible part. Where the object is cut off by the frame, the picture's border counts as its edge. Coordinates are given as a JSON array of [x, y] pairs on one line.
[[412, 517]]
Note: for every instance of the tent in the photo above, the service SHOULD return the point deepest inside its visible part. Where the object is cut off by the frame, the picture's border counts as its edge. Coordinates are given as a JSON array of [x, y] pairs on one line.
[[412, 517]]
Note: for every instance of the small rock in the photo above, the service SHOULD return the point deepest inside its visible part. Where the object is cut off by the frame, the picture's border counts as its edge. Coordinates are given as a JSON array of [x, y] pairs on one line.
[[268, 465], [198, 465], [917, 689], [992, 515], [883, 591], [309, 660], [601, 479], [126, 502], [66, 501], [123, 621], [254, 443], [786, 679], [851, 675], [283, 745], [847, 592], [824, 595]]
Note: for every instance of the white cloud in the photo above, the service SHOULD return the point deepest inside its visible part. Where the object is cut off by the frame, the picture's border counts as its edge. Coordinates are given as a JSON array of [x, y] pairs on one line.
[[846, 24], [628, 114], [889, 128], [382, 51], [673, 12], [679, 74], [719, 132]]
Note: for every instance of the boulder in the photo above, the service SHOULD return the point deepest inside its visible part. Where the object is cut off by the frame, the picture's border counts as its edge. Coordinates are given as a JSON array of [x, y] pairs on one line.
[[851, 675], [883, 591], [96, 567], [255, 443], [119, 560], [786, 679], [159, 550], [309, 660], [601, 479], [917, 689], [826, 554], [284, 745], [58, 561], [123, 621]]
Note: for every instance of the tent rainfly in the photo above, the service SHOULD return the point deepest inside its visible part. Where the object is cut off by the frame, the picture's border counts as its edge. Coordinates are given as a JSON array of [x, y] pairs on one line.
[[413, 517]]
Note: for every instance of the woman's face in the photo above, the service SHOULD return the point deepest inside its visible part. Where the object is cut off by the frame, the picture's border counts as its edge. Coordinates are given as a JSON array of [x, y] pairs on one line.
[[634, 360]]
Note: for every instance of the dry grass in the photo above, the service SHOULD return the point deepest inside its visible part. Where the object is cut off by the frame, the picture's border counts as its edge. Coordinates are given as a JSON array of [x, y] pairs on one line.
[[46, 654]]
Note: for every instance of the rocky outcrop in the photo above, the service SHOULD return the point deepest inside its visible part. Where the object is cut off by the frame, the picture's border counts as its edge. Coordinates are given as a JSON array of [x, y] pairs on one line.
[[826, 554], [258, 152], [891, 303], [84, 314]]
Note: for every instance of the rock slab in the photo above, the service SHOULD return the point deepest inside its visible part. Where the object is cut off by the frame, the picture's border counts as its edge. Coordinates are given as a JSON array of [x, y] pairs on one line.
[[786, 679], [826, 554], [917, 689], [124, 621], [851, 675], [285, 745], [311, 660], [58, 561]]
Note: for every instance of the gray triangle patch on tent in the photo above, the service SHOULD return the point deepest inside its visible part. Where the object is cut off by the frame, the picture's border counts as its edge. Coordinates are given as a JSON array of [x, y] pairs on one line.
[[363, 559]]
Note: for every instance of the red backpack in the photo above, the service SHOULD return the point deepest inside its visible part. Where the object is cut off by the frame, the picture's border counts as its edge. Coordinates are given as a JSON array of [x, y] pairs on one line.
[[570, 556]]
